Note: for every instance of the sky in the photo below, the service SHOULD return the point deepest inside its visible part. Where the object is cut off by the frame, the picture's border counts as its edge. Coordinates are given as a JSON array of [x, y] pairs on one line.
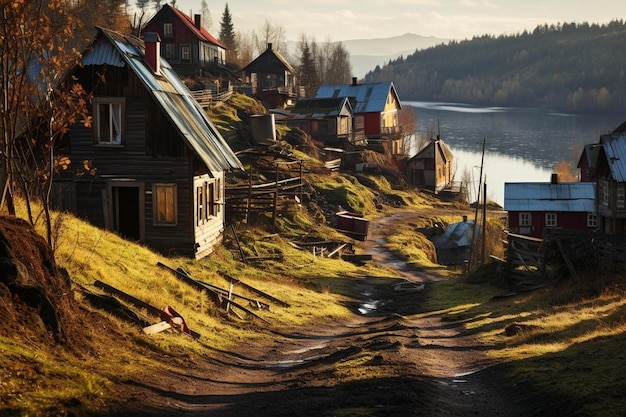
[[340, 20]]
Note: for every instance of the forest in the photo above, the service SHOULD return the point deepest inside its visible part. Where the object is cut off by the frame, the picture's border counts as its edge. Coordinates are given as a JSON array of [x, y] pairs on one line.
[[571, 67]]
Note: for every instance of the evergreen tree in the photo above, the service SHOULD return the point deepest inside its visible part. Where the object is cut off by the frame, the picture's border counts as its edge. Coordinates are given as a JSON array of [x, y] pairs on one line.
[[227, 35], [308, 74]]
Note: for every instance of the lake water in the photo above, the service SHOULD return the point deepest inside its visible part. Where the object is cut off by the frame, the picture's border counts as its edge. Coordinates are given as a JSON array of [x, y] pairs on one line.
[[521, 145]]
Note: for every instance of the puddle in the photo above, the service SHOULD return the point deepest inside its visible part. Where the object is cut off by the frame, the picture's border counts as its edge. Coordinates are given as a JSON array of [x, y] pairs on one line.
[[368, 307]]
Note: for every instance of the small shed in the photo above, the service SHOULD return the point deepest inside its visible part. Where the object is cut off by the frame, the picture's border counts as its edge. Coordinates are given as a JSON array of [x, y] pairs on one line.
[[328, 120], [431, 167], [453, 246]]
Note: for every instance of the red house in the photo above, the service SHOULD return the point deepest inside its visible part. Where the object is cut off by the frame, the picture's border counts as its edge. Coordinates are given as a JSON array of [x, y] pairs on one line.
[[185, 44], [534, 206], [375, 106]]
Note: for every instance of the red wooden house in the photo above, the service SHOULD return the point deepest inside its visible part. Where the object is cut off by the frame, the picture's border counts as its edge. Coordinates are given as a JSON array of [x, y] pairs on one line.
[[185, 44], [431, 167], [375, 106], [535, 206]]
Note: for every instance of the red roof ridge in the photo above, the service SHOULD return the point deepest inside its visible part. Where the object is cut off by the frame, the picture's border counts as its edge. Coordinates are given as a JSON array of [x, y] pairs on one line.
[[201, 32]]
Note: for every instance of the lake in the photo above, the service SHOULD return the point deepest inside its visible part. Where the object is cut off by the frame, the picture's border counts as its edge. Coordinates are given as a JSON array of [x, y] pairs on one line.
[[521, 144]]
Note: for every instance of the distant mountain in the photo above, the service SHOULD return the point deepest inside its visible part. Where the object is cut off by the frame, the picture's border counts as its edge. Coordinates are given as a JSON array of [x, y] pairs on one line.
[[365, 54]]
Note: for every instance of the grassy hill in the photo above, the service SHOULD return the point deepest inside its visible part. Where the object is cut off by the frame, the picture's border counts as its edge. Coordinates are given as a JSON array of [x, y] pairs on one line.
[[564, 341]]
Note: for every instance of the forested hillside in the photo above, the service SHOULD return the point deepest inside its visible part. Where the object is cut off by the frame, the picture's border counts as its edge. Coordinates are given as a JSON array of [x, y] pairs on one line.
[[567, 67]]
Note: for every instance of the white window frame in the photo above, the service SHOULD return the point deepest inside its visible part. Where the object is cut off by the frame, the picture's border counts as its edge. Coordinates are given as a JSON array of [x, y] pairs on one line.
[[551, 219], [525, 219], [168, 30], [108, 120], [185, 53], [169, 50], [592, 220], [165, 196]]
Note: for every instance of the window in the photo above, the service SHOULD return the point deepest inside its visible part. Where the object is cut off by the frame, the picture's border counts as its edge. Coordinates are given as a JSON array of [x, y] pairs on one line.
[[168, 30], [184, 53], [165, 212], [592, 220], [208, 195], [169, 50], [604, 189], [620, 196], [108, 120], [550, 219], [524, 219]]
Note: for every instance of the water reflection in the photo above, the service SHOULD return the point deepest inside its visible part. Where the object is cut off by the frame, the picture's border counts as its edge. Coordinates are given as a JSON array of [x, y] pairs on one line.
[[521, 144]]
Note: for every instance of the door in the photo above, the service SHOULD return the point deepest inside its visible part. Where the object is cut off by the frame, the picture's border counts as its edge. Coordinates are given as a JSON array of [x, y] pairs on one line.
[[126, 209]]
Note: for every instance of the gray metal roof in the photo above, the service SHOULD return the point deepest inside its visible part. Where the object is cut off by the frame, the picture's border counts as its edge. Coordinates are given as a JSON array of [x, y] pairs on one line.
[[172, 96], [369, 97], [614, 146], [545, 196]]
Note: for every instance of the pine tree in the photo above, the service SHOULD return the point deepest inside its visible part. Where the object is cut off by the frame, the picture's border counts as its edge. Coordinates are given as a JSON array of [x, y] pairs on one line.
[[227, 35], [308, 74]]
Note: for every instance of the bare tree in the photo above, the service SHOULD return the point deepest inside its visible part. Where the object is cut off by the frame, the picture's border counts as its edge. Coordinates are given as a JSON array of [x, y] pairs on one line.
[[270, 33], [207, 19]]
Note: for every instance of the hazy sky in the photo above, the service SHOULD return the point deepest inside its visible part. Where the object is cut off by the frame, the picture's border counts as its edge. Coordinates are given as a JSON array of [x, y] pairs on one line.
[[339, 20]]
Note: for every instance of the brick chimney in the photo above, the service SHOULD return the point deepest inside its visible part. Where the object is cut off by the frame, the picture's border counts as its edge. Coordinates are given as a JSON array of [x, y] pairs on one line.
[[197, 20], [355, 81], [269, 46], [152, 44]]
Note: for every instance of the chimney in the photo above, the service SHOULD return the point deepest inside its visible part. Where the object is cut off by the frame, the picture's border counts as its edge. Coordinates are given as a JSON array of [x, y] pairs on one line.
[[197, 20], [464, 218], [554, 179], [152, 44], [269, 46], [354, 81]]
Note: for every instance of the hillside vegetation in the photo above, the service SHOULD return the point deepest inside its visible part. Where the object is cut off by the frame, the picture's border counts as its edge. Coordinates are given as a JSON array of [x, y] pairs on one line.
[[568, 67], [560, 346]]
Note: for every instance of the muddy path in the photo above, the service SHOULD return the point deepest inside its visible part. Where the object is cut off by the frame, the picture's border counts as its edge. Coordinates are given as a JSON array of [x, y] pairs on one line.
[[413, 365]]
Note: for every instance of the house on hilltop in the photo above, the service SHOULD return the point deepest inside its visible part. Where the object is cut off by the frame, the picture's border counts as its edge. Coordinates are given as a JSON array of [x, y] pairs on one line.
[[185, 44], [160, 161], [376, 107], [272, 79], [535, 206]]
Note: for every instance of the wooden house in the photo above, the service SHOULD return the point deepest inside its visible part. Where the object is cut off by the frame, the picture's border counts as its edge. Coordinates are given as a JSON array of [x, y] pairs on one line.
[[431, 167], [159, 160], [185, 44], [611, 183], [328, 120], [588, 161], [535, 206], [272, 79], [376, 107]]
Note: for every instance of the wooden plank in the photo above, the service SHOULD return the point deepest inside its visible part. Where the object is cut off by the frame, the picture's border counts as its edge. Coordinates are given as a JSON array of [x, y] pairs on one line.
[[157, 328], [253, 289]]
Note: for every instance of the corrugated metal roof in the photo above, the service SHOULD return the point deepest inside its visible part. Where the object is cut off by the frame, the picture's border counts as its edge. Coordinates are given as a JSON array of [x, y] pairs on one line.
[[370, 97], [175, 100], [614, 146], [545, 196], [322, 107]]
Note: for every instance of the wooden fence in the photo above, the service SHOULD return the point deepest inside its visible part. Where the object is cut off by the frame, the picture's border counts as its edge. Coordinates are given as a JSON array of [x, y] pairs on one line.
[[271, 197], [562, 254], [207, 98]]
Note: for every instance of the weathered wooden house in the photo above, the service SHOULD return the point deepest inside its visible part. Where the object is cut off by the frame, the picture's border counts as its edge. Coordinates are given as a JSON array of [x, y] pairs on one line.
[[185, 44], [375, 107], [588, 161], [160, 161], [611, 183], [272, 79], [431, 167], [535, 206], [328, 120]]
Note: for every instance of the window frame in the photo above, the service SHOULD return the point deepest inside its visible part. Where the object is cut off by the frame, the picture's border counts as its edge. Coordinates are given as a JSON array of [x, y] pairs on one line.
[[168, 30], [551, 219], [185, 50], [592, 220], [98, 106], [161, 190], [525, 219], [620, 196], [208, 197]]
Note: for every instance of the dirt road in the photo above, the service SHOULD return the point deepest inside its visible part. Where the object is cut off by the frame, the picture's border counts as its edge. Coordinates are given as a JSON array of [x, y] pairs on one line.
[[414, 365]]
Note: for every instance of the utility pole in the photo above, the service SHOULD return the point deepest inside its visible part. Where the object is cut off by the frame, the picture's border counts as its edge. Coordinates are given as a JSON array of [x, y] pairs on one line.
[[482, 161]]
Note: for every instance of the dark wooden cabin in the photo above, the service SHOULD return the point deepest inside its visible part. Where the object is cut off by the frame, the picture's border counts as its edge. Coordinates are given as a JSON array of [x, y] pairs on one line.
[[186, 45], [159, 160]]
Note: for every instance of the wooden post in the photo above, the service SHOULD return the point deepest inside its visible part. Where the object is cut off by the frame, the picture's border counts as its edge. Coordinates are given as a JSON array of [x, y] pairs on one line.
[[249, 202], [275, 202]]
